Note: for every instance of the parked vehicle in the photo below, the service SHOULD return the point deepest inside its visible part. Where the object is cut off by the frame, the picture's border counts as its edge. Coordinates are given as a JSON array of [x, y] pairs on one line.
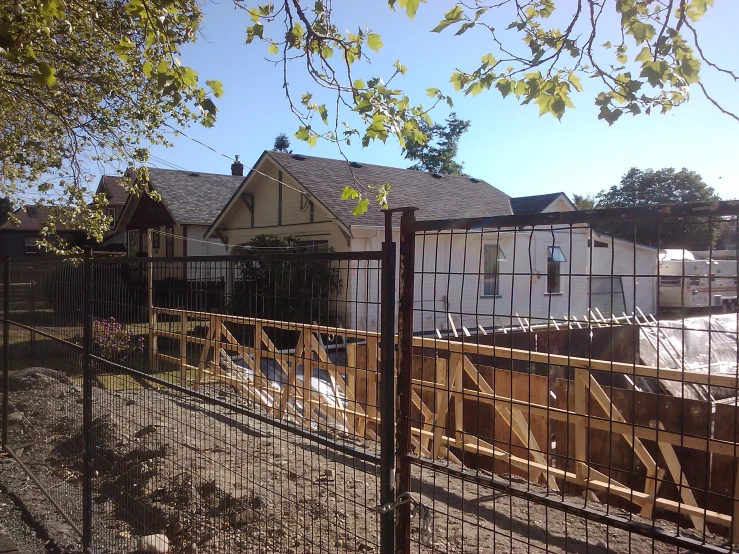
[[687, 282]]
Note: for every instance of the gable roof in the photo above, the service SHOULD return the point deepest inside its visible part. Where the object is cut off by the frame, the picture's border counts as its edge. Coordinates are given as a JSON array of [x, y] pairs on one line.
[[31, 218], [447, 197], [112, 185], [534, 204], [193, 198], [190, 197]]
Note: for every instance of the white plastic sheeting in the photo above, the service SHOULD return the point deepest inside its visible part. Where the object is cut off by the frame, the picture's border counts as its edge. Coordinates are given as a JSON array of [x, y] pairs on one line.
[[320, 383], [697, 344]]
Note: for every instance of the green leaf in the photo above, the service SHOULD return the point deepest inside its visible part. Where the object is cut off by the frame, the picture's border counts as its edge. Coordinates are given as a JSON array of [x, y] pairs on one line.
[[644, 56], [209, 106], [688, 70], [147, 68], [272, 49], [374, 41], [432, 92], [544, 101], [358, 84], [575, 81], [361, 207], [216, 87], [348, 193], [45, 75], [302, 133], [411, 6], [607, 44], [488, 60], [641, 32]]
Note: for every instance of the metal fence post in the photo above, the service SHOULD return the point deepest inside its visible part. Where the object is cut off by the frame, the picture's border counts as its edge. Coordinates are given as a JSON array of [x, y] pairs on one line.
[[387, 399], [404, 383], [87, 378], [6, 348]]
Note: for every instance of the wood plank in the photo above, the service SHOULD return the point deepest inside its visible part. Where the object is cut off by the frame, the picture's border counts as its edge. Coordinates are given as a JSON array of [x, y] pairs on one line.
[[678, 477], [605, 403], [441, 406], [516, 422], [581, 430], [183, 348]]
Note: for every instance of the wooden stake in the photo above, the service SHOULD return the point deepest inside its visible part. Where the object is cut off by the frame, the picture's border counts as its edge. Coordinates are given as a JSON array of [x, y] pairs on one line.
[[150, 305], [441, 405], [183, 348]]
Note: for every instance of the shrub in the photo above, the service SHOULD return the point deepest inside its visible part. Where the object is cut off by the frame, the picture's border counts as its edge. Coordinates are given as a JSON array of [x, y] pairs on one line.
[[112, 341]]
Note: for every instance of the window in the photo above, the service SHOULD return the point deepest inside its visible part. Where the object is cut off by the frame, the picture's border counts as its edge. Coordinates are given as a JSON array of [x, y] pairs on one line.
[[133, 243], [169, 242], [670, 281], [314, 245], [110, 212], [156, 238], [492, 254], [31, 246], [554, 258]]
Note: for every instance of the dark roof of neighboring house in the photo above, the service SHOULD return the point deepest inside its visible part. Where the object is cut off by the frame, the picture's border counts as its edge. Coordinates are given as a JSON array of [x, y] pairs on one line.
[[116, 192], [533, 204], [31, 218], [448, 197], [193, 198]]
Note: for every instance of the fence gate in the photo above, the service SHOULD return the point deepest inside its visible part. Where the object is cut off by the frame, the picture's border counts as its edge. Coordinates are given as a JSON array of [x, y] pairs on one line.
[[541, 411]]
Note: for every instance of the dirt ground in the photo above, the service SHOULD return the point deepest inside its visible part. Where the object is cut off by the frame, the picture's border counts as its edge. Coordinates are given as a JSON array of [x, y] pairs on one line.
[[213, 480]]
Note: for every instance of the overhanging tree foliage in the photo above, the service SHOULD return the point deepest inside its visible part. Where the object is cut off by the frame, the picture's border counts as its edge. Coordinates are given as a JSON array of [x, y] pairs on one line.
[[665, 186], [87, 83], [436, 154], [642, 56]]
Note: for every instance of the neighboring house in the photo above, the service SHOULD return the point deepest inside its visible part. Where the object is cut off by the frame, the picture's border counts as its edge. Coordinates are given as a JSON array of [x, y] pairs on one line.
[[463, 275], [190, 201], [21, 241], [117, 195]]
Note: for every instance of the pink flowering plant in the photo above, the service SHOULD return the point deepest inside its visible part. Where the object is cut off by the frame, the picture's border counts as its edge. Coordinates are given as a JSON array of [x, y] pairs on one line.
[[112, 341]]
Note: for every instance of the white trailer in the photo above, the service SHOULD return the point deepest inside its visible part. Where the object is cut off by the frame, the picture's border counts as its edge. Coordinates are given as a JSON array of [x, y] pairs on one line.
[[688, 282]]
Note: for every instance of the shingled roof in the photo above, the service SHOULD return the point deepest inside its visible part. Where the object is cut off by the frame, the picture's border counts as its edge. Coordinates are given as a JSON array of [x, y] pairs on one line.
[[112, 185], [533, 204], [193, 198], [443, 197], [31, 218]]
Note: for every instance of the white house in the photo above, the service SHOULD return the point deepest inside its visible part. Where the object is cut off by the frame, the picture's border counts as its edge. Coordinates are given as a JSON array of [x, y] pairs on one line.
[[481, 277]]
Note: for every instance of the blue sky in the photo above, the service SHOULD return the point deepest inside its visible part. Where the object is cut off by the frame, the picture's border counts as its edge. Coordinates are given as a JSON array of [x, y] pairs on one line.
[[508, 145]]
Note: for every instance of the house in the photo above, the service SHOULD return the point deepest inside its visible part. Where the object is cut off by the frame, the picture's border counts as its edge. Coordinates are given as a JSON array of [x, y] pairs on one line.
[[190, 202], [464, 275], [110, 185], [21, 240]]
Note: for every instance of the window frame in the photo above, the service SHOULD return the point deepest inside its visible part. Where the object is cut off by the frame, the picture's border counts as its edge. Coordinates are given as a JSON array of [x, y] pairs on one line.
[[34, 247], [111, 214], [491, 277], [554, 270]]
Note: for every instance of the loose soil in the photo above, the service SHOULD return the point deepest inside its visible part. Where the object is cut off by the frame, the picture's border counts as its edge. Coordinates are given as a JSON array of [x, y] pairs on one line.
[[214, 480]]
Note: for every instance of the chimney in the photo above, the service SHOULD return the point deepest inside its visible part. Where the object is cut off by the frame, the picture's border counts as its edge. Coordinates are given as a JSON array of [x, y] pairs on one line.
[[237, 168]]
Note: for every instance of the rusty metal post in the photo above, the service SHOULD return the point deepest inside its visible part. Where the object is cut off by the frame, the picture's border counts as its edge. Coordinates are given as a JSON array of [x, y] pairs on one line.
[[405, 365], [87, 379], [6, 348], [387, 391]]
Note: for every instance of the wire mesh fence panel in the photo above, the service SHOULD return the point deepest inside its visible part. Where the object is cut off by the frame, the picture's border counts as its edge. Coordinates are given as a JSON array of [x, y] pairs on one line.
[[574, 381], [42, 358], [235, 406]]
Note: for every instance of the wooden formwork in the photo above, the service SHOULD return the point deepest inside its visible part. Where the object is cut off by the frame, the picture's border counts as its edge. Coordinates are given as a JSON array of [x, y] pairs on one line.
[[453, 386]]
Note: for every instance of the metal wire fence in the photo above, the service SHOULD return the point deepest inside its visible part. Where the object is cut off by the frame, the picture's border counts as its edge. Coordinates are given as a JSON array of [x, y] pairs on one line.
[[572, 381], [559, 382], [222, 409]]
